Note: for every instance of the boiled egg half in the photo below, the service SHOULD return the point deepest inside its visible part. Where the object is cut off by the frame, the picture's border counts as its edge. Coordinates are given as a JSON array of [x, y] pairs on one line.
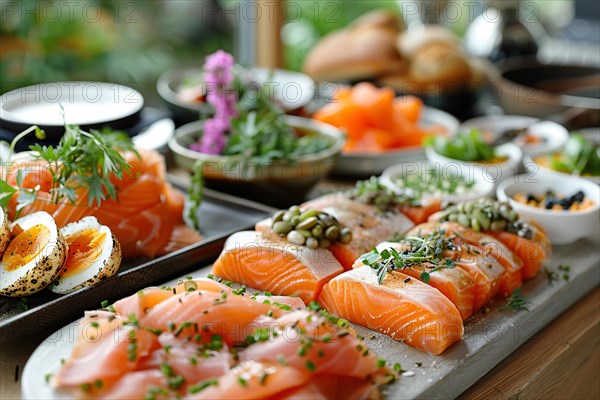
[[4, 231], [94, 254], [34, 255]]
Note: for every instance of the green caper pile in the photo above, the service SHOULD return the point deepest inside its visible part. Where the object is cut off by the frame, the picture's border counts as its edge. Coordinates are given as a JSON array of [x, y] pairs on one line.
[[486, 214], [311, 228]]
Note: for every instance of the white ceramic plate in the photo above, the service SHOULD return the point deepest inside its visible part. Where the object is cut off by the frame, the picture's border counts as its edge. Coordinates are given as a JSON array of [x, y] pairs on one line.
[[364, 164], [156, 136], [84, 103], [46, 360]]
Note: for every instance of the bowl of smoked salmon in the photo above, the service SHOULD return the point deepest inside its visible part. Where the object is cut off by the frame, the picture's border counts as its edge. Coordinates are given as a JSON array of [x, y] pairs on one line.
[[275, 181]]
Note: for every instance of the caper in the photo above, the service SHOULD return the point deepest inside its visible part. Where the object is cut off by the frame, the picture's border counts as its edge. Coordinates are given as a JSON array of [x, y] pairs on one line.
[[513, 216], [460, 207], [287, 216], [282, 227], [317, 231], [308, 214], [324, 243], [498, 225], [295, 209], [475, 224], [312, 243], [332, 233], [304, 233], [469, 206], [296, 238], [483, 220], [294, 220], [326, 219], [308, 223], [278, 216], [453, 217], [463, 220], [345, 236]]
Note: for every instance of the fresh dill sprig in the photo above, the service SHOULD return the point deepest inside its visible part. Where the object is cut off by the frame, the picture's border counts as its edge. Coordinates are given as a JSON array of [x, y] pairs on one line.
[[414, 251], [516, 302], [196, 193]]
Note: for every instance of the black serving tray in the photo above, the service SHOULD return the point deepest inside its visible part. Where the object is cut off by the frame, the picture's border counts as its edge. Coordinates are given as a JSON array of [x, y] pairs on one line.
[[220, 216]]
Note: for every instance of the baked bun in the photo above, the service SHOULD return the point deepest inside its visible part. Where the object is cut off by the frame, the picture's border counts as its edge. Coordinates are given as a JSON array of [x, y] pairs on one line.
[[412, 41], [440, 64], [379, 19], [355, 53]]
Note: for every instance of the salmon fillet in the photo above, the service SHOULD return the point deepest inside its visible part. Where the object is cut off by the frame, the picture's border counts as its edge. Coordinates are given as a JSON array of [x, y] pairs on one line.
[[276, 266], [454, 283], [401, 307]]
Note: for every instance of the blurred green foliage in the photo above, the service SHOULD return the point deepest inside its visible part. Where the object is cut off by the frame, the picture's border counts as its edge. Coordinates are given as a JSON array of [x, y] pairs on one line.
[[130, 42]]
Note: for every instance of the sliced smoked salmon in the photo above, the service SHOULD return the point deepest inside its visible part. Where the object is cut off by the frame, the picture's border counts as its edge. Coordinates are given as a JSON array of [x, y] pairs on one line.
[[145, 217]]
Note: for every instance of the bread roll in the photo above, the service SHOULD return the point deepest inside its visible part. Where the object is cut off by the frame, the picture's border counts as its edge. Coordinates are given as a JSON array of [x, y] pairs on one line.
[[355, 53], [414, 40], [440, 64], [379, 19]]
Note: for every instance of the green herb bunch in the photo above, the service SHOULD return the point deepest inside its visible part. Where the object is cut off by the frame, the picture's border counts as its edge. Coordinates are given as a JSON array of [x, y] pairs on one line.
[[414, 251], [81, 160]]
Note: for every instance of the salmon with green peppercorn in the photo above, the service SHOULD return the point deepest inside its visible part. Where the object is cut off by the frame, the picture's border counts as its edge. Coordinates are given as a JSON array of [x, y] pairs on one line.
[[368, 224], [524, 238], [400, 307]]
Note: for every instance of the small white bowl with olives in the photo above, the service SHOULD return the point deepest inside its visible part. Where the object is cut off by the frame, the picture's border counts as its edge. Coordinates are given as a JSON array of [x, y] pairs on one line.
[[561, 222], [423, 182]]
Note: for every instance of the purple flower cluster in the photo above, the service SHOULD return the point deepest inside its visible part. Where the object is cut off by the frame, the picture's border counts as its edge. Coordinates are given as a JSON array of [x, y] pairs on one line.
[[218, 76]]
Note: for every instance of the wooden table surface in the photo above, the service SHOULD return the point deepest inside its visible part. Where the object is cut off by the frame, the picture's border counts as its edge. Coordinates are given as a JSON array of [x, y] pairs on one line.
[[562, 361]]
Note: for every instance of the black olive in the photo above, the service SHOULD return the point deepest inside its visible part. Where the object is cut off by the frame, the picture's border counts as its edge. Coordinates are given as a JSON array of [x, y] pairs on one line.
[[531, 197], [578, 197], [565, 203], [549, 202]]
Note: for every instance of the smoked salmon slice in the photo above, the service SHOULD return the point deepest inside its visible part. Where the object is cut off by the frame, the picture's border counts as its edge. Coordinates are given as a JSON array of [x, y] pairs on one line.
[[205, 340], [401, 307], [276, 266], [531, 252], [454, 283]]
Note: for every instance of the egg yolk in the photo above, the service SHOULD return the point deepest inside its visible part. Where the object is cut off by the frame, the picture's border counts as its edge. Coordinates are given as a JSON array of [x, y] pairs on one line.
[[25, 246], [85, 246]]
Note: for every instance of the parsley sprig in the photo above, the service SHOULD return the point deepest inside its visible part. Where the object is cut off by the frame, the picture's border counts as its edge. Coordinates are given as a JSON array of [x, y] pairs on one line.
[[417, 252], [81, 160]]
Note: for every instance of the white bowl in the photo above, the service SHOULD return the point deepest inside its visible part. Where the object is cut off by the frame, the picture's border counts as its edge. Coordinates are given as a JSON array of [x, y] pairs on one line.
[[482, 188], [535, 169], [493, 172], [554, 135], [562, 227]]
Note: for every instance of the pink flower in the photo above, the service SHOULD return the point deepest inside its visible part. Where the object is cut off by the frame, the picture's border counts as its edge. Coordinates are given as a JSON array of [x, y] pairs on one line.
[[218, 77]]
